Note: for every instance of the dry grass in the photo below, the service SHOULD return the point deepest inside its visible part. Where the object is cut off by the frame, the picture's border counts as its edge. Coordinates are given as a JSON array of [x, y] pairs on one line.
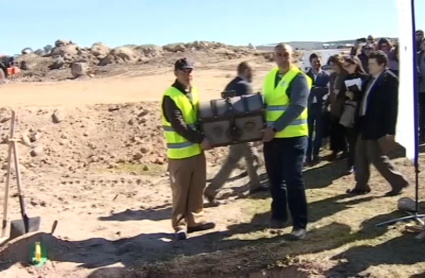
[[137, 169], [343, 240]]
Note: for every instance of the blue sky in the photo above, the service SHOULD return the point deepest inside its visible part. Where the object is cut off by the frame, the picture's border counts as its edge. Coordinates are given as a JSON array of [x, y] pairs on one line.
[[37, 23]]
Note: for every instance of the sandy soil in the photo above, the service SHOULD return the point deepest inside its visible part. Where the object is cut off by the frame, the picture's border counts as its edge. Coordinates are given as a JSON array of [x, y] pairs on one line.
[[127, 87], [100, 171]]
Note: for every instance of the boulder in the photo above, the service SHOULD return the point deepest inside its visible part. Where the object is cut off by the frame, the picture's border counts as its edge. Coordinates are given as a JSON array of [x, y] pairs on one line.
[[79, 69]]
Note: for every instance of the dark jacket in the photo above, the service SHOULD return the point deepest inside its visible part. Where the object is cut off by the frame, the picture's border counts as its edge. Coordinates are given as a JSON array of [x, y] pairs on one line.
[[240, 86], [336, 100], [362, 57], [418, 45], [320, 86], [382, 108], [362, 76], [420, 56]]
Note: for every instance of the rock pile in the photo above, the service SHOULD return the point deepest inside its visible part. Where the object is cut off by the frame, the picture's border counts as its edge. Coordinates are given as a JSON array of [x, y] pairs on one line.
[[66, 55]]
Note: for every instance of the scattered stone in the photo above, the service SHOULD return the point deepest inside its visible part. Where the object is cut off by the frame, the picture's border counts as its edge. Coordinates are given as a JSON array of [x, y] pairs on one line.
[[79, 69], [58, 116], [137, 156], [36, 151], [25, 138], [5, 119], [144, 150], [35, 137], [113, 108]]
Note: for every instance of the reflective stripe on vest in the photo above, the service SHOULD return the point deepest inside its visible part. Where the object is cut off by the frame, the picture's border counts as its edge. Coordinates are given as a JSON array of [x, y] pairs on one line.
[[177, 146], [277, 102]]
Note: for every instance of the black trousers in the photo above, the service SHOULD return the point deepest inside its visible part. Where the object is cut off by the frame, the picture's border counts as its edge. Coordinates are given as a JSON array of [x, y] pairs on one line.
[[337, 136], [351, 137], [284, 158]]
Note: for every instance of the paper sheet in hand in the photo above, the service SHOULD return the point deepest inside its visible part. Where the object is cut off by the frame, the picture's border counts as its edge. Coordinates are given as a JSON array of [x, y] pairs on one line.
[[353, 83]]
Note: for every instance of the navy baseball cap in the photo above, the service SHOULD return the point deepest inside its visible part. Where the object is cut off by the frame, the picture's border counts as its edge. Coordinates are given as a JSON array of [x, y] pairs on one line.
[[182, 64]]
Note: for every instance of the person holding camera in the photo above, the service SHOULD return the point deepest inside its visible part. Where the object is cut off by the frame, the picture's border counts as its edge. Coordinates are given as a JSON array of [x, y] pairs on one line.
[[185, 152], [240, 85], [365, 51]]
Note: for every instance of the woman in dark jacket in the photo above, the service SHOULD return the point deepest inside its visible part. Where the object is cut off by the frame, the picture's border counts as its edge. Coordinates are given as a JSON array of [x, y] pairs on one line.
[[357, 74], [385, 45], [335, 104]]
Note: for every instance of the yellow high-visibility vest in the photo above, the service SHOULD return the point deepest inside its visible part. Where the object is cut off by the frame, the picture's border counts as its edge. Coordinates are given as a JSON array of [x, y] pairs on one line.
[[277, 102], [177, 146]]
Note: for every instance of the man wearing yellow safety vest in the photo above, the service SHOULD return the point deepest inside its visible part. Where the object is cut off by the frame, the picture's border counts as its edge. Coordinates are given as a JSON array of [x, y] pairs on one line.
[[185, 152], [286, 89]]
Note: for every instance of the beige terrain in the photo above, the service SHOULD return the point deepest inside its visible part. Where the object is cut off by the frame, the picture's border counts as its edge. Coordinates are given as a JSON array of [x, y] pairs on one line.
[[92, 157]]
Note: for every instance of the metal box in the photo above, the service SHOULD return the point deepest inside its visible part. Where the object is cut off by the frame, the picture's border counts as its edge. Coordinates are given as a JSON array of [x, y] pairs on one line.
[[233, 120]]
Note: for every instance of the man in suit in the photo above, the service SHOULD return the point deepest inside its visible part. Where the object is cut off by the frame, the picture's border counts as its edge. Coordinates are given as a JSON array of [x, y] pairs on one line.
[[376, 122], [242, 86], [320, 88]]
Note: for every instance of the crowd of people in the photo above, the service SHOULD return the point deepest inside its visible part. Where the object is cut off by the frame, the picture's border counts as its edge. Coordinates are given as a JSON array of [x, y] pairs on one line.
[[355, 106], [332, 115]]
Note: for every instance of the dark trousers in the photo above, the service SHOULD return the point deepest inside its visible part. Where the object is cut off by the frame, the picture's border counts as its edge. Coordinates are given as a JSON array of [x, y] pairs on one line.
[[283, 159], [315, 127], [369, 152], [338, 143], [351, 137], [421, 113]]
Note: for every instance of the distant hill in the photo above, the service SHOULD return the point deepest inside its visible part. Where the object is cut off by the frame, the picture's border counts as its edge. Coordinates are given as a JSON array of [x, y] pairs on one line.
[[328, 42]]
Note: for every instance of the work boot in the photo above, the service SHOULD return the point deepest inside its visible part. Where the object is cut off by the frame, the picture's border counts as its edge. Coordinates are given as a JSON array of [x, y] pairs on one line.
[[258, 188], [276, 224], [298, 233], [333, 156], [316, 160], [181, 235], [396, 190], [202, 227], [209, 196]]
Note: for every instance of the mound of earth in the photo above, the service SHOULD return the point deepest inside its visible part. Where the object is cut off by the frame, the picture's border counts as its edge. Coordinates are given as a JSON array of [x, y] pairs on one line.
[[57, 64], [72, 140]]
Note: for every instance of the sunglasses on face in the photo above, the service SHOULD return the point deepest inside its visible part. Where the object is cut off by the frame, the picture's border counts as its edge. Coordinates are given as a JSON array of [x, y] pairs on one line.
[[187, 71], [282, 54]]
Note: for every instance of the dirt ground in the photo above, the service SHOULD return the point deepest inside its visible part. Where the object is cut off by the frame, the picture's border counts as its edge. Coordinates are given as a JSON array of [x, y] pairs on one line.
[[98, 167]]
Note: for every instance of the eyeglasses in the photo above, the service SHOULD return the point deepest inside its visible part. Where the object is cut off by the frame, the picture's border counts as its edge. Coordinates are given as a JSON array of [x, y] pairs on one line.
[[187, 71], [282, 54]]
